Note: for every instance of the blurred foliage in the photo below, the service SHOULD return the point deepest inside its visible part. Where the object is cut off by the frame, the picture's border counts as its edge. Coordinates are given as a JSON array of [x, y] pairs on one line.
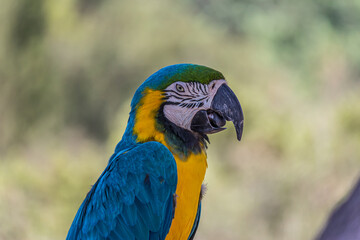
[[69, 69]]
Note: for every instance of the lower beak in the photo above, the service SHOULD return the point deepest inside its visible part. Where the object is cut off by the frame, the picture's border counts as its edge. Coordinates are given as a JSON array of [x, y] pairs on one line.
[[224, 107]]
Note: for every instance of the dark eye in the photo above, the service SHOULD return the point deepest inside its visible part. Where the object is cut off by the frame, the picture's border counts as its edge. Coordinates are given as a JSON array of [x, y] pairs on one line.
[[212, 85], [180, 88]]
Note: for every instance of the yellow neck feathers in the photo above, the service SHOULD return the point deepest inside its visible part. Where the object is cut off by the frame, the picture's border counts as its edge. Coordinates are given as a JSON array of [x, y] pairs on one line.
[[145, 118], [191, 171]]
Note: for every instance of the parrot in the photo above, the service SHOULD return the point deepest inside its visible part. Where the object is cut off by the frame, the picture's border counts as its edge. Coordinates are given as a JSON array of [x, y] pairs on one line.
[[152, 187]]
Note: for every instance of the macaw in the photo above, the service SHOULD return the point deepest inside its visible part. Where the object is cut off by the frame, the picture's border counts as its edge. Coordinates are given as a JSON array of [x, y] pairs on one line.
[[152, 185]]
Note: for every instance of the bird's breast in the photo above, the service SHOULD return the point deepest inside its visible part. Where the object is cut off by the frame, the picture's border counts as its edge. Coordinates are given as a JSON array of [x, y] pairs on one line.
[[191, 174]]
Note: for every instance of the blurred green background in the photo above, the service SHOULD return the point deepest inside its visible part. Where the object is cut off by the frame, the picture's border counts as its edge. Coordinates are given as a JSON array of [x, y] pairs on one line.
[[69, 68]]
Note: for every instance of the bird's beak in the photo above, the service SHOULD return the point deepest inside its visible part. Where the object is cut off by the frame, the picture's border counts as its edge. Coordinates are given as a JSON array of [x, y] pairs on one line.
[[224, 107]]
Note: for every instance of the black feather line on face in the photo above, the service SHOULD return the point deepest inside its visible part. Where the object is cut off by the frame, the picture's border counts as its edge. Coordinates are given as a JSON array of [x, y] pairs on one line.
[[179, 94], [174, 96], [198, 100], [179, 139], [192, 90], [186, 99], [203, 89], [188, 87], [197, 87]]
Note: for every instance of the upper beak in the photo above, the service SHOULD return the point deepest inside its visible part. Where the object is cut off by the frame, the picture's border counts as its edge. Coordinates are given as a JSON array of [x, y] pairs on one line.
[[224, 107]]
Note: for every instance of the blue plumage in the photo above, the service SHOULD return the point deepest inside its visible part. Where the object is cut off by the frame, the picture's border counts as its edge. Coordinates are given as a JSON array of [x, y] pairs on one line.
[[132, 199]]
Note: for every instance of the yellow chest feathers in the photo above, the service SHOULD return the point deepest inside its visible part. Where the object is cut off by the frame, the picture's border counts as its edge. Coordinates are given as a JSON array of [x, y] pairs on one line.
[[191, 171], [190, 177]]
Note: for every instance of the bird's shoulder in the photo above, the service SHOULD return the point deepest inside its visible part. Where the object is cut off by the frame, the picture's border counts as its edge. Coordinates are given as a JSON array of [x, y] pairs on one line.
[[159, 155], [133, 197]]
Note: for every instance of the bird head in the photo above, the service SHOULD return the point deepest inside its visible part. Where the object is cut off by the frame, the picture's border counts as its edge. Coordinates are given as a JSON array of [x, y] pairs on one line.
[[181, 104]]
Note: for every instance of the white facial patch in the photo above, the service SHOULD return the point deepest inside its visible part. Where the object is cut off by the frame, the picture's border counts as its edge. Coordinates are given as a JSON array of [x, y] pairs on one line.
[[185, 99]]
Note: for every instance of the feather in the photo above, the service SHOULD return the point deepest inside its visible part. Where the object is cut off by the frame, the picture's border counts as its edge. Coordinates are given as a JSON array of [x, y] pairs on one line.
[[130, 199]]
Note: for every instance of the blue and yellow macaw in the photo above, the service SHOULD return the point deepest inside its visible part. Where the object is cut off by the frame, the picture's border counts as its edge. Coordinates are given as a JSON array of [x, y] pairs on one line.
[[152, 185]]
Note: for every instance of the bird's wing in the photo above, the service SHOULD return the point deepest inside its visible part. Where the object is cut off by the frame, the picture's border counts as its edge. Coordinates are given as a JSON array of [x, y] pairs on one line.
[[132, 199]]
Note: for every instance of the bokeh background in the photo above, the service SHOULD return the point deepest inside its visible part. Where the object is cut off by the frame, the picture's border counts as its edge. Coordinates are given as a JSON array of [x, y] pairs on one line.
[[69, 68]]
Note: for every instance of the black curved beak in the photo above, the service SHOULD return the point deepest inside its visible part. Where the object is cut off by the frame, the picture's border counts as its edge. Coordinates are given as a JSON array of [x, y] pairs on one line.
[[224, 107]]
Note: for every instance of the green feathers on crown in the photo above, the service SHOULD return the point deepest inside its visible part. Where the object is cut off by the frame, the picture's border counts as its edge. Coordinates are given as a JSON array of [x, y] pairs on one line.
[[182, 72]]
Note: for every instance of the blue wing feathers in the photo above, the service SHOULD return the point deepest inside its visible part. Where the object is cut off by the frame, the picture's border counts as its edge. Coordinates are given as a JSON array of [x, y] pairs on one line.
[[132, 199], [170, 208]]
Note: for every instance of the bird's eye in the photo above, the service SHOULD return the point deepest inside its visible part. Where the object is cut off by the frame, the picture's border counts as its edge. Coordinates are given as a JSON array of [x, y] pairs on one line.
[[180, 88], [212, 86]]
